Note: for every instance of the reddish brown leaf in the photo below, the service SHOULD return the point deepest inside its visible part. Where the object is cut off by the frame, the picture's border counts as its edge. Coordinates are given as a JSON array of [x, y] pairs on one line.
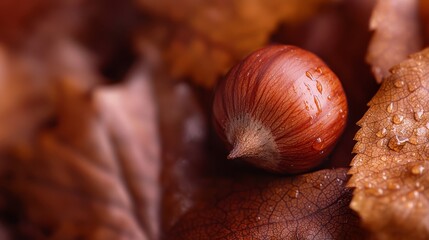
[[214, 34], [184, 138], [95, 175], [390, 168], [397, 34], [311, 206]]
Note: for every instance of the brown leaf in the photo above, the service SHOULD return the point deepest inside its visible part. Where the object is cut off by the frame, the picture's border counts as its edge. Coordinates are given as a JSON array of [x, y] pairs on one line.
[[214, 34], [183, 129], [15, 17], [390, 168], [311, 206], [95, 175], [25, 97], [397, 34]]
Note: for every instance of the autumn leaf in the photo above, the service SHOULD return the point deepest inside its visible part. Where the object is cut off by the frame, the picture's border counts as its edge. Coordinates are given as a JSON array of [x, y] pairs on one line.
[[183, 130], [397, 34], [95, 174], [215, 34], [311, 206], [389, 171]]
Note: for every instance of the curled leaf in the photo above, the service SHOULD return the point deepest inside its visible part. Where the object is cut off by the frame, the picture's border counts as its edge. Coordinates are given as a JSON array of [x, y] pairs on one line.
[[397, 34], [311, 206], [390, 170]]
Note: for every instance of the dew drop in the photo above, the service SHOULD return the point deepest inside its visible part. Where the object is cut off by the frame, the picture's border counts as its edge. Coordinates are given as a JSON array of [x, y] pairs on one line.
[[294, 193], [307, 107], [412, 86], [318, 144], [329, 97], [384, 175], [368, 185], [392, 185], [389, 108], [318, 185], [381, 142], [418, 169], [319, 70], [397, 119], [396, 143], [375, 191], [413, 140], [309, 75], [318, 105], [382, 133], [419, 186], [399, 83], [319, 87], [413, 195], [418, 115]]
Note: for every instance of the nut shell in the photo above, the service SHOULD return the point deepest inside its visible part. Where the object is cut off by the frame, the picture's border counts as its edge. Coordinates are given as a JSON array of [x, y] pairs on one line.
[[281, 109]]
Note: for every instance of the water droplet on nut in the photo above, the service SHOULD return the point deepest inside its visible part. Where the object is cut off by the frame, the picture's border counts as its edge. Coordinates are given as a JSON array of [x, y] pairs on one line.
[[309, 75], [319, 87], [318, 105], [318, 144]]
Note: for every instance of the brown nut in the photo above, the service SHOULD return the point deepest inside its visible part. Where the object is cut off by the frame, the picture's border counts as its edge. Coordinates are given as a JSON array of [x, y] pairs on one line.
[[281, 109]]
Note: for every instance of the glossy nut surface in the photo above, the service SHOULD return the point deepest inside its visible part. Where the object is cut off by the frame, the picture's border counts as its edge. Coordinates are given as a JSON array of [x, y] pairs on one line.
[[281, 109]]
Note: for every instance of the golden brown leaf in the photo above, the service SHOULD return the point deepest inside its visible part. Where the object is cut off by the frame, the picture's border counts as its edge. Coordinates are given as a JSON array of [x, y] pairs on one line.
[[390, 170], [397, 34], [207, 37], [311, 206]]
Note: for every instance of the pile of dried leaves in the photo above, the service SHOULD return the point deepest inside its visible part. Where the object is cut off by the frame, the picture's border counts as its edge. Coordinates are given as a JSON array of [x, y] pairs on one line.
[[105, 129]]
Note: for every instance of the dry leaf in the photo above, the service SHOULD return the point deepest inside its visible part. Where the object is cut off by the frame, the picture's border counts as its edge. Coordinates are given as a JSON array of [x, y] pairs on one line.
[[390, 168], [311, 206], [183, 129], [397, 34], [17, 17], [206, 37], [95, 175]]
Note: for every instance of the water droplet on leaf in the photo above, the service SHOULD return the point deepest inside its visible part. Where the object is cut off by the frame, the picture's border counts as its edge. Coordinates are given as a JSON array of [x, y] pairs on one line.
[[381, 133], [399, 83], [389, 108], [418, 169], [397, 119]]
